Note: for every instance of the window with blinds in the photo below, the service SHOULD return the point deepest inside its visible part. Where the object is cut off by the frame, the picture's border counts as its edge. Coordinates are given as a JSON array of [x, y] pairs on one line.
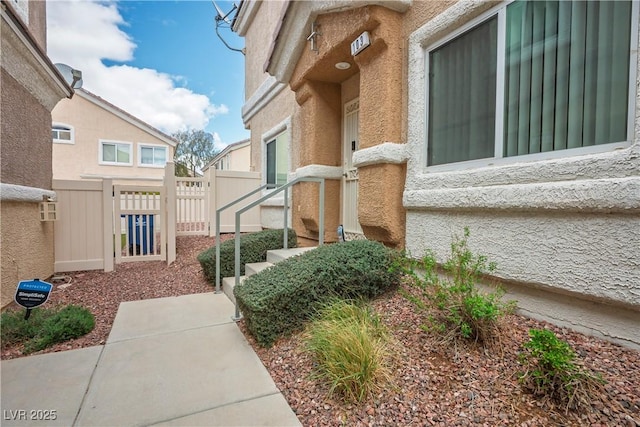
[[565, 82]]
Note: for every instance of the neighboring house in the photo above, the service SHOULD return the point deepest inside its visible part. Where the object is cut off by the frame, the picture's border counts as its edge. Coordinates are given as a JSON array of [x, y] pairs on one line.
[[31, 87], [94, 139], [234, 157], [517, 119]]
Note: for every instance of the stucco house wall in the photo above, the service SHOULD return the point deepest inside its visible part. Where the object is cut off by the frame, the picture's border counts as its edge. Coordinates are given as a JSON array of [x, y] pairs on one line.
[[31, 87], [564, 228], [569, 225], [93, 120], [236, 157], [269, 105]]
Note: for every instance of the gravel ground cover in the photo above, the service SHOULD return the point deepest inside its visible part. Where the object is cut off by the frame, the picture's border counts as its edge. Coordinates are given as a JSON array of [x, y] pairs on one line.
[[434, 384]]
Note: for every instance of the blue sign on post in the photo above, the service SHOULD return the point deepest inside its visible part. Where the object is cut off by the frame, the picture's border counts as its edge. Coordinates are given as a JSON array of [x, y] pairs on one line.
[[32, 293]]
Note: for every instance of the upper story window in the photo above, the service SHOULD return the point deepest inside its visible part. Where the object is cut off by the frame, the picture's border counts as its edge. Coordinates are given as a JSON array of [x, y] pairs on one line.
[[61, 133], [534, 77], [115, 153], [277, 164], [152, 155]]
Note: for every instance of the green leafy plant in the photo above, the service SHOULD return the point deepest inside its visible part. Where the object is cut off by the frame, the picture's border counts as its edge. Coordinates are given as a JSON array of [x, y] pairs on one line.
[[552, 371], [454, 305], [253, 248], [351, 347], [282, 298], [45, 327]]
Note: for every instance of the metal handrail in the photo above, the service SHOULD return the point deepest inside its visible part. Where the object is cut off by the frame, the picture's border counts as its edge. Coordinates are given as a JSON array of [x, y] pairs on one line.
[[218, 211], [285, 188]]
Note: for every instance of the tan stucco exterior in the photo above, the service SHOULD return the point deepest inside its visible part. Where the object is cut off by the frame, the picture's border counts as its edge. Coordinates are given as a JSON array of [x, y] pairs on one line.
[[580, 203], [31, 87], [235, 157], [94, 120]]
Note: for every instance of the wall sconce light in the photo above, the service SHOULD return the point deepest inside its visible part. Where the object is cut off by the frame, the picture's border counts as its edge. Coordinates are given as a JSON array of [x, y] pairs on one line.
[[48, 211]]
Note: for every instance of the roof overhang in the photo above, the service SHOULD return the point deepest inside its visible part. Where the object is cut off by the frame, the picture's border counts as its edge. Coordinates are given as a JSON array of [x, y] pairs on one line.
[[291, 37], [102, 103]]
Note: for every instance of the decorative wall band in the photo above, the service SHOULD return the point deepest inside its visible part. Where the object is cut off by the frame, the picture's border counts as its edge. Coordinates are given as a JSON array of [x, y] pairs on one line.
[[614, 195], [267, 91], [387, 152], [20, 193], [318, 171]]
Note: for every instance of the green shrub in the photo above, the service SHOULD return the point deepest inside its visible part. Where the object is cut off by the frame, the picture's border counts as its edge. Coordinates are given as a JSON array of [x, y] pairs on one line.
[[454, 305], [351, 347], [46, 326], [282, 298], [253, 248], [552, 371]]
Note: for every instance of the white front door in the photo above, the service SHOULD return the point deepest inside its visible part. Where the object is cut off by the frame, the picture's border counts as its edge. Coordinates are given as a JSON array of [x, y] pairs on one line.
[[350, 176]]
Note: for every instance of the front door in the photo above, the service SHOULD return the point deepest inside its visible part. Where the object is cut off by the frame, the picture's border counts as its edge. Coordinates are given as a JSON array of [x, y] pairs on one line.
[[350, 175]]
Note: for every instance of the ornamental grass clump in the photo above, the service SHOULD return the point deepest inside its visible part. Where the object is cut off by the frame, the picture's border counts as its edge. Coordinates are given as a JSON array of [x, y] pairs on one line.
[[351, 348], [452, 304], [552, 371], [45, 327]]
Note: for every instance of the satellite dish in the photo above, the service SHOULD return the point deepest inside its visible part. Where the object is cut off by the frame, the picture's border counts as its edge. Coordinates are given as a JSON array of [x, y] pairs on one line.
[[221, 15], [72, 76]]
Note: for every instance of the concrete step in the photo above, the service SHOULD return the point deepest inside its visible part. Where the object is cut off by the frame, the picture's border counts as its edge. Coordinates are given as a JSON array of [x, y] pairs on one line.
[[255, 267], [273, 257], [277, 255], [228, 283]]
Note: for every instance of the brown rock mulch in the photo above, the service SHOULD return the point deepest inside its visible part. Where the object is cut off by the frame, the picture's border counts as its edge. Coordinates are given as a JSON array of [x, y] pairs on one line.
[[434, 384]]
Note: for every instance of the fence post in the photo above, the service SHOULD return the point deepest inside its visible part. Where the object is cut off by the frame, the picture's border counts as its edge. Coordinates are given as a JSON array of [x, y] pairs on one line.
[[109, 235], [212, 199], [170, 209]]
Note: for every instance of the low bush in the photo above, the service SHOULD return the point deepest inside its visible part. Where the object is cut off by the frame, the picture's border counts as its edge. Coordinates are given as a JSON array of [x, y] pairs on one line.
[[351, 348], [282, 298], [46, 326], [253, 248], [453, 304], [552, 371]]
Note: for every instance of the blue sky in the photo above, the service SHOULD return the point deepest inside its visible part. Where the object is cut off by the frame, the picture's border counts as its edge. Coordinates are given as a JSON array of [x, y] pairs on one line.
[[159, 60]]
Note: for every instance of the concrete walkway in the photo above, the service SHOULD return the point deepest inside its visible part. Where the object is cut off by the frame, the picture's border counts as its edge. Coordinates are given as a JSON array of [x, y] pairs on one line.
[[177, 361]]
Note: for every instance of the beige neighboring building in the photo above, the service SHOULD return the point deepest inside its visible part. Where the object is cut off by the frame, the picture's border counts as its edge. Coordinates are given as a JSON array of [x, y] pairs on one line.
[[234, 157], [517, 119], [94, 139], [31, 87]]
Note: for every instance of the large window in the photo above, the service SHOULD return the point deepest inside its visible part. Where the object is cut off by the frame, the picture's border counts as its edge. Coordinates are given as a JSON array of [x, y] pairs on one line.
[[62, 134], [115, 153], [152, 155], [277, 163], [538, 76]]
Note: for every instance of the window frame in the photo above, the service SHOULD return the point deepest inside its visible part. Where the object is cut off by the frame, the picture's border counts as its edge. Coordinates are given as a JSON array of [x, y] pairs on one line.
[[142, 145], [282, 128], [500, 12], [101, 160], [66, 127]]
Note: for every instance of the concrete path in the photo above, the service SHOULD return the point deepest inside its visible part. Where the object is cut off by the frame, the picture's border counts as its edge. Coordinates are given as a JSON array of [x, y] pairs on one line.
[[176, 361]]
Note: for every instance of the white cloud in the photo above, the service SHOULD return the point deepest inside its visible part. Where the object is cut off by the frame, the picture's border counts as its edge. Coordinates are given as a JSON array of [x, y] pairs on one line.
[[83, 33]]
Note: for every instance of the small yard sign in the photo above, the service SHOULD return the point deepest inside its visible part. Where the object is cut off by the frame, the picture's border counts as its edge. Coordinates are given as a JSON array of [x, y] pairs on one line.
[[32, 293]]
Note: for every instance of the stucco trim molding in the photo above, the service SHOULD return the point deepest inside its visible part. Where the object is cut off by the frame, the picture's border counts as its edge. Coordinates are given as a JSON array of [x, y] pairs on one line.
[[612, 195], [388, 152], [285, 51], [25, 61], [268, 90], [21, 193], [245, 16], [317, 171]]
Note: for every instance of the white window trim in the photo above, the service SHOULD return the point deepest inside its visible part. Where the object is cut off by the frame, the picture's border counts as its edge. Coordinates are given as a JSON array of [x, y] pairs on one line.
[[111, 141], [142, 145], [71, 130], [284, 127], [500, 12]]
